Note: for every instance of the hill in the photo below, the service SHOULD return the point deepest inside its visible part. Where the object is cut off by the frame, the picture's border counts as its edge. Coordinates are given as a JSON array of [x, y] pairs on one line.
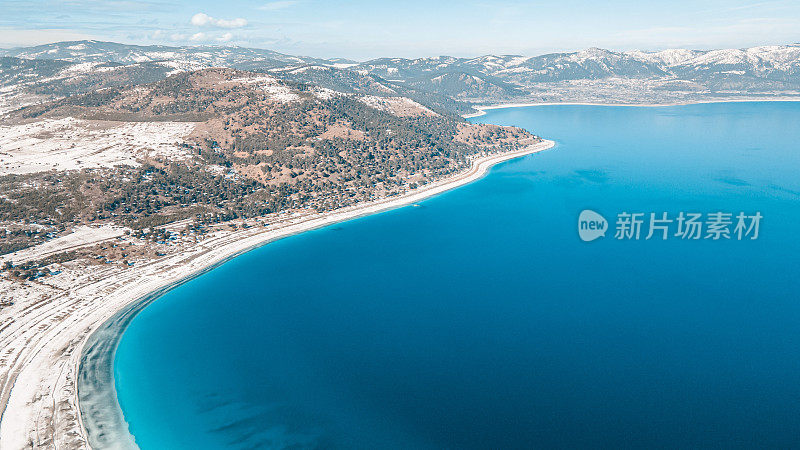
[[216, 144]]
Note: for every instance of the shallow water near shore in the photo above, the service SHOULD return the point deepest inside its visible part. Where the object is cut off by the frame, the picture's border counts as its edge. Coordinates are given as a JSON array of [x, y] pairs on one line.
[[480, 320]]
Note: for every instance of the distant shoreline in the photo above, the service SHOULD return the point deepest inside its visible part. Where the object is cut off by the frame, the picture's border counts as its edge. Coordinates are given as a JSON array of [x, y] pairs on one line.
[[483, 108], [99, 413]]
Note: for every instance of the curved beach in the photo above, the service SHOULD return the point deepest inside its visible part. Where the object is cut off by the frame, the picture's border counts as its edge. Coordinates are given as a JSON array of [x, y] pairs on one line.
[[47, 345], [481, 109]]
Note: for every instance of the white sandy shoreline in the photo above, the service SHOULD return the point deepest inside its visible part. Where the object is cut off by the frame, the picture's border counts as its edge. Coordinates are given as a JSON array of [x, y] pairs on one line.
[[41, 343], [483, 108]]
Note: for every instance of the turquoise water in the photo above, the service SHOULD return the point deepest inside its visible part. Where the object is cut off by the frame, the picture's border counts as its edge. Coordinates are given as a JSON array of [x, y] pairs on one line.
[[480, 320]]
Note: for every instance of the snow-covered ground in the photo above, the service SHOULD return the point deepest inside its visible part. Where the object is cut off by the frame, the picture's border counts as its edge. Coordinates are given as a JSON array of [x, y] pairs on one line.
[[67, 144], [276, 90], [81, 236], [399, 106]]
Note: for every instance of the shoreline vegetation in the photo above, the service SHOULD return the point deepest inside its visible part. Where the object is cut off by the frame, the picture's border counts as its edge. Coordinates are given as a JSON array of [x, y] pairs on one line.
[[72, 363], [483, 108]]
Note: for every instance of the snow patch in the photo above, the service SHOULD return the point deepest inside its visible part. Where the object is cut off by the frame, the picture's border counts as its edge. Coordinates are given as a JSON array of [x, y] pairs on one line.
[[324, 93], [398, 106], [270, 85], [81, 236], [70, 144]]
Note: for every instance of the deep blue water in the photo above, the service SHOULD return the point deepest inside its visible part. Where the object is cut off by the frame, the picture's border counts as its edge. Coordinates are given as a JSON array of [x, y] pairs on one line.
[[480, 320]]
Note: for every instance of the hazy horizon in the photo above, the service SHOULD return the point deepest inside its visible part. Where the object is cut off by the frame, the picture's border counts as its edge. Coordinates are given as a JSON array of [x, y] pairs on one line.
[[334, 57]]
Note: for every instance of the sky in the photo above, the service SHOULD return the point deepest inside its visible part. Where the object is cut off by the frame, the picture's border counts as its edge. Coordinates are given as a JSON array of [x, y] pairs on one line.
[[362, 29]]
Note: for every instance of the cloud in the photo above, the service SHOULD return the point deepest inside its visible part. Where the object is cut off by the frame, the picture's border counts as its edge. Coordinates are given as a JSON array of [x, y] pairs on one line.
[[203, 20], [225, 37], [234, 23], [274, 6], [197, 37]]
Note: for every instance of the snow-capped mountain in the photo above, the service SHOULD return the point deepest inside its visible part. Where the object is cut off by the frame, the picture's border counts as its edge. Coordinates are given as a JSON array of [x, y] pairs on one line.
[[189, 57], [774, 62], [443, 83], [46, 72], [602, 75]]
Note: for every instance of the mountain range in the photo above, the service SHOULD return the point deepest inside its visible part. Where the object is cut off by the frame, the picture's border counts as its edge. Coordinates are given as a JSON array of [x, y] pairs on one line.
[[444, 83]]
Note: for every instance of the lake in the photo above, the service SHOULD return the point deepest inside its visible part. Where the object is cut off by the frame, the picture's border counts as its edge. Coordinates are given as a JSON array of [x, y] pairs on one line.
[[479, 319]]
